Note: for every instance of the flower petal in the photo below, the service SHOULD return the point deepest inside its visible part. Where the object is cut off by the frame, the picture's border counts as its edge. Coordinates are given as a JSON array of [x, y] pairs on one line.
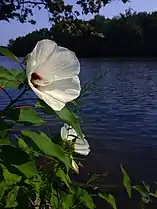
[[63, 91], [40, 53], [82, 146], [64, 132], [60, 64], [52, 102]]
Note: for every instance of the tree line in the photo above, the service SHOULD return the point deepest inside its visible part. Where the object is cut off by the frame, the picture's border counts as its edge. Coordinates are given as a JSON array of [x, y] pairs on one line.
[[127, 35]]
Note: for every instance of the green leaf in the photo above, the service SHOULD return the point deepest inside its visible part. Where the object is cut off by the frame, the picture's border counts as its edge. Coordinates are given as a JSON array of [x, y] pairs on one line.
[[11, 78], [65, 114], [36, 183], [54, 199], [6, 52], [68, 116], [109, 198], [5, 73], [19, 75], [4, 125], [64, 177], [45, 144], [25, 115], [68, 201], [28, 169], [12, 155], [87, 200], [10, 178], [3, 187], [4, 138], [11, 201], [126, 181], [21, 143]]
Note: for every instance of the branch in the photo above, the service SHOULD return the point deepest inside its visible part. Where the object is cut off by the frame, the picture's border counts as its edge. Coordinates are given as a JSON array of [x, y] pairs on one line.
[[30, 2], [7, 94]]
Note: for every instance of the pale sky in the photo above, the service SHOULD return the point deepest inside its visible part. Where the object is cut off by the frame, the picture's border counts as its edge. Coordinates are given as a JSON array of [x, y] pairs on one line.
[[15, 29]]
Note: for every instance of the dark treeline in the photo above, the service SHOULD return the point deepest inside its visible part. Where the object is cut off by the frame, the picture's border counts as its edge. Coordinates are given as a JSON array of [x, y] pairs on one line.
[[128, 35]]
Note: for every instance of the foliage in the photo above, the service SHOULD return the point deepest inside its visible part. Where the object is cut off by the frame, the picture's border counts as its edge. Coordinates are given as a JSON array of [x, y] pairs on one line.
[[36, 169], [129, 35], [57, 9]]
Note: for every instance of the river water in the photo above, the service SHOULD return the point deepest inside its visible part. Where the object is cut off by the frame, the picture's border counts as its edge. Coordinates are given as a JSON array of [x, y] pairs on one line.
[[119, 118]]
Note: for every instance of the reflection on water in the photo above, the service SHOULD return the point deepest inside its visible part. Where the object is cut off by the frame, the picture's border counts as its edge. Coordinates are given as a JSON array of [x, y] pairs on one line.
[[119, 118]]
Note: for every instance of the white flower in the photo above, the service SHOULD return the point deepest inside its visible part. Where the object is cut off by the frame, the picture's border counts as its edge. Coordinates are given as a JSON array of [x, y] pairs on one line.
[[52, 74], [81, 146]]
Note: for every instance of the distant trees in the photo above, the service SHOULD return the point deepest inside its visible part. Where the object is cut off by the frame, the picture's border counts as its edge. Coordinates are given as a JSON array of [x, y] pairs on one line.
[[130, 34]]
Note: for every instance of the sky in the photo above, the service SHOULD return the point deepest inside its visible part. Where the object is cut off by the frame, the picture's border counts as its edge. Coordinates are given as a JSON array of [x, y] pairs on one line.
[[14, 29]]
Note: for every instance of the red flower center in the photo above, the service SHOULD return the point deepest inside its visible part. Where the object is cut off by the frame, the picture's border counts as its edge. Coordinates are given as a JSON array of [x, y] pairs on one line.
[[34, 77]]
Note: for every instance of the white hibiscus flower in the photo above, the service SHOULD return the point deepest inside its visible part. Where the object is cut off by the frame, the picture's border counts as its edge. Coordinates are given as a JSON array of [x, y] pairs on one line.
[[81, 146], [52, 74]]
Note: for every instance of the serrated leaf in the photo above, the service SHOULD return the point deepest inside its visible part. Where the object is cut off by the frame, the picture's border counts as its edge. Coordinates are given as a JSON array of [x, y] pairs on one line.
[[45, 144], [11, 201], [126, 181], [28, 169], [64, 177], [109, 198], [27, 115], [6, 52]]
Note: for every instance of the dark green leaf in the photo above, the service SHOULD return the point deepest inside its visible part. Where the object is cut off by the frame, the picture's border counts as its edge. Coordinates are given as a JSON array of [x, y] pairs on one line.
[[4, 138], [6, 52], [109, 198], [3, 187], [64, 177], [10, 178], [54, 199], [19, 75], [8, 83], [65, 114], [68, 116], [28, 169], [27, 115], [12, 155], [21, 143], [11, 201], [11, 78], [4, 125], [126, 181], [5, 73], [36, 183], [87, 200], [45, 144], [68, 201]]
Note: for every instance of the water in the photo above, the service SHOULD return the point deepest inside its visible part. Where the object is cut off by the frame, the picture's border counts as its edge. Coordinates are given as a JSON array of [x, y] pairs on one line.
[[119, 118]]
